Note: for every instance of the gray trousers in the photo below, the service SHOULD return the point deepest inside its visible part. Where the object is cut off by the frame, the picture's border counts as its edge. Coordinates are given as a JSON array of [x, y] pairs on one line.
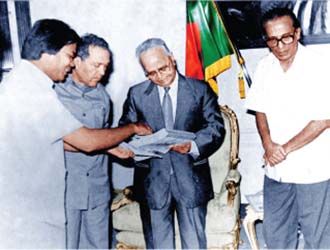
[[191, 223], [88, 229], [289, 206]]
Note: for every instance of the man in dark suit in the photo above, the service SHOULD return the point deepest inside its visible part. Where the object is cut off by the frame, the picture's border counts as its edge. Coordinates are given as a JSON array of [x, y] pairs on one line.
[[180, 181]]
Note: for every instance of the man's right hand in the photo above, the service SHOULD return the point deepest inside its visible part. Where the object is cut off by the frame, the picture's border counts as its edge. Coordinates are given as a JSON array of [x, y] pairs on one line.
[[142, 129], [274, 154]]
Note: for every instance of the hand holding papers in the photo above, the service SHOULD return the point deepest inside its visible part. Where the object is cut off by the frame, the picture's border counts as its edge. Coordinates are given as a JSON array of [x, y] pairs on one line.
[[181, 148], [156, 144], [121, 152]]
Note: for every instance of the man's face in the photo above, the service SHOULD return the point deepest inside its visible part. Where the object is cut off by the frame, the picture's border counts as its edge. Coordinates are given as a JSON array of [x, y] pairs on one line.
[[91, 70], [282, 28], [61, 63], [159, 67]]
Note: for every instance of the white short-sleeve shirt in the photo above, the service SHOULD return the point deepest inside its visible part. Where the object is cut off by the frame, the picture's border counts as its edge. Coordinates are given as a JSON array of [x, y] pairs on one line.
[[32, 173], [290, 101]]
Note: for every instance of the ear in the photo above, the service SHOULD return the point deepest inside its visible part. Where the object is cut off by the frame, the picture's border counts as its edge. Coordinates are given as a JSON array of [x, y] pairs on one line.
[[172, 59], [77, 62], [298, 33], [46, 56]]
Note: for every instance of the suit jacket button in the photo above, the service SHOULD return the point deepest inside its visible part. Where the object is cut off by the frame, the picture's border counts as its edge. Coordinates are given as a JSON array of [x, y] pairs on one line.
[[87, 174]]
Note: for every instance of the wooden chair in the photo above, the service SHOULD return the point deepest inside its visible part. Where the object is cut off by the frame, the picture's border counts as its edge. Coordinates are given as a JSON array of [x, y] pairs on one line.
[[249, 225]]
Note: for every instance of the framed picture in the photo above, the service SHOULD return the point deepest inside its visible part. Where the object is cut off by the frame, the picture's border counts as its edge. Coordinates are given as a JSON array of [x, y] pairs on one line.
[[243, 20]]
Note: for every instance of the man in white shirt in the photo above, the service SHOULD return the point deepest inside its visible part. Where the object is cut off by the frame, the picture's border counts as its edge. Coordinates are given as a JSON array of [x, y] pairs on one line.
[[33, 126], [292, 112]]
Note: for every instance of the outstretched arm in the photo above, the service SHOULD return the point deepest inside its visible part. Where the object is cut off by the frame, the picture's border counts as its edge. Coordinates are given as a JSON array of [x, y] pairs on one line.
[[89, 140], [116, 151]]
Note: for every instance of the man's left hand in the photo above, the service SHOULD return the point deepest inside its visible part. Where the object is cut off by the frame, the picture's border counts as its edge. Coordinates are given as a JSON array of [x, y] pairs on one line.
[[183, 148]]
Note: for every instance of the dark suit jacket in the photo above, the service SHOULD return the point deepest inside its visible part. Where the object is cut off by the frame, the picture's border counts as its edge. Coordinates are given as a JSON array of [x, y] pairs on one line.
[[197, 111]]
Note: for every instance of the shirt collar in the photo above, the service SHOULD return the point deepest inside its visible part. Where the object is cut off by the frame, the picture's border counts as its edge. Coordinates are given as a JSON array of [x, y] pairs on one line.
[[80, 87]]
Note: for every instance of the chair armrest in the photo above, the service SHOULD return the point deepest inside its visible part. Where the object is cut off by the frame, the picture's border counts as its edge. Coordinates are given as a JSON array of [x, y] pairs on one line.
[[233, 176], [230, 187], [122, 198]]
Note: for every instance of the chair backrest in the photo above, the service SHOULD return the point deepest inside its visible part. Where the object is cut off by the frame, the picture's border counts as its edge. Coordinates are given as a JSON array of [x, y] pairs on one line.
[[226, 157]]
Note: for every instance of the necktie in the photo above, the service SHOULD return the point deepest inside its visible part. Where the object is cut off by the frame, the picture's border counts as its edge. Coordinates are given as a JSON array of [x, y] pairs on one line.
[[167, 109], [168, 114]]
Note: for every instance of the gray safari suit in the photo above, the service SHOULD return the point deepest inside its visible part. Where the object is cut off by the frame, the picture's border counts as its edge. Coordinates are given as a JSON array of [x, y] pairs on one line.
[[87, 183], [197, 111]]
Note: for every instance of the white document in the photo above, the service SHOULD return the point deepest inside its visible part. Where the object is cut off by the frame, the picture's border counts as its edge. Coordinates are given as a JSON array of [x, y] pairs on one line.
[[156, 144], [140, 154]]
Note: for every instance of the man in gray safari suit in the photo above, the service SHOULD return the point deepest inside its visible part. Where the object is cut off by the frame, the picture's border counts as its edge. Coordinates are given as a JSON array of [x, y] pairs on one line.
[[87, 181], [180, 181]]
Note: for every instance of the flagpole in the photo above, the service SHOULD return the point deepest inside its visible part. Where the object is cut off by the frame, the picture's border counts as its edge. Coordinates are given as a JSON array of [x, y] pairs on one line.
[[238, 54]]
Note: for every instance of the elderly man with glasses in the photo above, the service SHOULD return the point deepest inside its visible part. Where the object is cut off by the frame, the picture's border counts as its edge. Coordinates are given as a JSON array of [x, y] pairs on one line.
[[289, 96], [180, 182]]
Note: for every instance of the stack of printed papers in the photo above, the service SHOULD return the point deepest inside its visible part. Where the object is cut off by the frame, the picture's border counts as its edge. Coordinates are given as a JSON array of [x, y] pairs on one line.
[[156, 144]]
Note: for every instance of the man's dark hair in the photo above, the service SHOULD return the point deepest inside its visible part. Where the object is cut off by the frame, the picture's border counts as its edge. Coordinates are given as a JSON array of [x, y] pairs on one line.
[[90, 40], [47, 36], [279, 12]]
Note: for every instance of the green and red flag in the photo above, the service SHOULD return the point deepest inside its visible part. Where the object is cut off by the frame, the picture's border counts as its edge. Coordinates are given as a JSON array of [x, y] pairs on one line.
[[208, 47]]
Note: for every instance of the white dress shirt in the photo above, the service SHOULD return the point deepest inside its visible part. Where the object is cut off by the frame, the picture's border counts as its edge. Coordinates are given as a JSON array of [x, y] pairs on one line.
[[173, 92], [290, 101]]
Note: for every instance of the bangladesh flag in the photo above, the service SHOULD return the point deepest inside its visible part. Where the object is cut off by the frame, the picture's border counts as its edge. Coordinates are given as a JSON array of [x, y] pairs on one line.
[[208, 48]]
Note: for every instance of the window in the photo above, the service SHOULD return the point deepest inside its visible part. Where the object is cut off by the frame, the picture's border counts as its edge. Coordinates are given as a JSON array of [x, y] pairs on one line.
[[15, 22]]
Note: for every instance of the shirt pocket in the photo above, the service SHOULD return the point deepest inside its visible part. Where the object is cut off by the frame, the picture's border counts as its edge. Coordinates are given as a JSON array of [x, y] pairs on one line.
[[96, 116]]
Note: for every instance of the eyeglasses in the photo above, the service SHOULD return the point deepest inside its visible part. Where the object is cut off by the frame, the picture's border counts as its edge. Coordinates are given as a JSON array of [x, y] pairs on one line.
[[161, 70], [285, 39]]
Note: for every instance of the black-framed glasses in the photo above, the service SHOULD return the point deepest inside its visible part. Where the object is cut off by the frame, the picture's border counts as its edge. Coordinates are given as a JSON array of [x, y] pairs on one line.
[[285, 39], [161, 70]]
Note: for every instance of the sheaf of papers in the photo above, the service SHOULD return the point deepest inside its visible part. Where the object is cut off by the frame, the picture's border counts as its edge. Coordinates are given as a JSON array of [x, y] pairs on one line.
[[256, 201], [156, 144]]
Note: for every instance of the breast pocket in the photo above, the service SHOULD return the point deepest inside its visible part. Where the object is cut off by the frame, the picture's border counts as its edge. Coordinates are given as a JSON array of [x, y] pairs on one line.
[[98, 116]]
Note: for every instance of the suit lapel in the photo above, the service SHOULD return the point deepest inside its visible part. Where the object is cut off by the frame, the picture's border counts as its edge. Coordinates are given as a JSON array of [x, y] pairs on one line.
[[184, 102], [152, 107]]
